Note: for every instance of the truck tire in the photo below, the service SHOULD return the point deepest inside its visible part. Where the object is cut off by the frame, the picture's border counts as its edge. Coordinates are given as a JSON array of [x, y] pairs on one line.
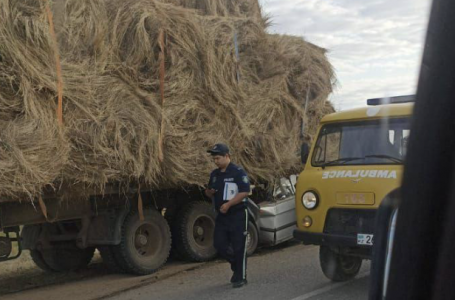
[[38, 259], [193, 231], [67, 257], [338, 267], [252, 238], [145, 245], [107, 254]]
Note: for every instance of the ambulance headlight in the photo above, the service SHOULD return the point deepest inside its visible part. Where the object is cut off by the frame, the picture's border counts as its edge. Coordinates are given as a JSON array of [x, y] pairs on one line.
[[310, 200]]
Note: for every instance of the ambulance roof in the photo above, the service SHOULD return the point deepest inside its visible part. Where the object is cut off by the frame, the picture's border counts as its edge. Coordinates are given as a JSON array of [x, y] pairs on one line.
[[371, 113]]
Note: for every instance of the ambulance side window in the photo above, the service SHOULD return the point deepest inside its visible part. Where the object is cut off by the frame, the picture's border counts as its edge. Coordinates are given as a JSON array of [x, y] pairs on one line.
[[328, 147], [333, 146], [399, 139], [391, 136], [404, 142]]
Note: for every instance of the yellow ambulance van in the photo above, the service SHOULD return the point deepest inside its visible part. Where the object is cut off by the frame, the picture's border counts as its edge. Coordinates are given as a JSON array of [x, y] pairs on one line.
[[355, 162]]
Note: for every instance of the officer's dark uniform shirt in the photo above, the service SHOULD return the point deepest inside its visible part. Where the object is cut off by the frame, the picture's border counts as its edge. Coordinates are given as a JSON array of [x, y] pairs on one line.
[[228, 184]]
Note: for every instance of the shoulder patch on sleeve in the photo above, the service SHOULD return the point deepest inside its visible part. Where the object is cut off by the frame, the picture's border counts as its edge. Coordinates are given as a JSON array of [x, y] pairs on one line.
[[245, 179]]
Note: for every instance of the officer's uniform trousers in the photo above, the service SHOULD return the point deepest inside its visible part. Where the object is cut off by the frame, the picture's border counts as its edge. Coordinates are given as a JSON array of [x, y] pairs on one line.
[[230, 240]]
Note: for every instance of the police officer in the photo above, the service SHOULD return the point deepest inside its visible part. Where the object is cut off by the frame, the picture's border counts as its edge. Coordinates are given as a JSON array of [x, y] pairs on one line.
[[228, 188]]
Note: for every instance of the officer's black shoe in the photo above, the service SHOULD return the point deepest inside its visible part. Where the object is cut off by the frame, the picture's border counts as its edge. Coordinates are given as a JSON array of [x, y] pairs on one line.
[[233, 279], [238, 284]]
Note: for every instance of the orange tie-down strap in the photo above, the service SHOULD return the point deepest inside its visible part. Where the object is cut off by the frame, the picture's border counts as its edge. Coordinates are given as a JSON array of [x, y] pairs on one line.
[[140, 206], [58, 65], [162, 74], [43, 208]]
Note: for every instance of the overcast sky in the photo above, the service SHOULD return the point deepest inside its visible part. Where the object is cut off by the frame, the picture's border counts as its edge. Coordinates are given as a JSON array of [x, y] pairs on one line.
[[375, 46]]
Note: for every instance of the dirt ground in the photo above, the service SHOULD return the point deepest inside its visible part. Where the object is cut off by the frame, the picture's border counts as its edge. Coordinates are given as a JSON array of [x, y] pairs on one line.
[[22, 274], [21, 280]]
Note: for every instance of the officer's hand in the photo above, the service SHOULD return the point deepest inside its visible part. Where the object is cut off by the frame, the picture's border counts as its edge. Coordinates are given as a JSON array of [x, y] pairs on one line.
[[210, 192], [224, 208]]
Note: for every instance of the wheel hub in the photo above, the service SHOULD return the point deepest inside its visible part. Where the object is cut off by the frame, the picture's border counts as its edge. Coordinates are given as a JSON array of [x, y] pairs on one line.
[[248, 240], [203, 229], [199, 230], [142, 239], [348, 263], [146, 240]]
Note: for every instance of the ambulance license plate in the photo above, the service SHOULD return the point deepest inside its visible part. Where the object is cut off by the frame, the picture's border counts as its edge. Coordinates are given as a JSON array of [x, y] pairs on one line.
[[365, 239]]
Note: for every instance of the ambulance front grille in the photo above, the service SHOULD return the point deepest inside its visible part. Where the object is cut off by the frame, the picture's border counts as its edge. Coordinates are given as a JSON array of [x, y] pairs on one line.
[[350, 221]]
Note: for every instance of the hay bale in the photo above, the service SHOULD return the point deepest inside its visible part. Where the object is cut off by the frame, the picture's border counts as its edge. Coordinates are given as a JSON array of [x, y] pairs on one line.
[[284, 70], [112, 108], [222, 8]]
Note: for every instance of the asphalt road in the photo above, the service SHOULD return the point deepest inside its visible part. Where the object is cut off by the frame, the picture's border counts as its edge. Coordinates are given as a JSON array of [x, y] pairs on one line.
[[290, 272]]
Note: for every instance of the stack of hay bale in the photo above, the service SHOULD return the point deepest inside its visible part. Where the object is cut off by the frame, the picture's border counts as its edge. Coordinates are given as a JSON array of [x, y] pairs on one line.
[[121, 123]]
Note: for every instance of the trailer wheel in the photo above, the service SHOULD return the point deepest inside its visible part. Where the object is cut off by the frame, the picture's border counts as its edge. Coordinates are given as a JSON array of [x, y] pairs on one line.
[[338, 267], [67, 257], [193, 232], [107, 254], [38, 259], [252, 239], [145, 245]]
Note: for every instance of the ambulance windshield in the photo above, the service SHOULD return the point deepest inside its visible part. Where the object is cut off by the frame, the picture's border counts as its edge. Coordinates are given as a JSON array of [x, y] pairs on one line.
[[378, 142]]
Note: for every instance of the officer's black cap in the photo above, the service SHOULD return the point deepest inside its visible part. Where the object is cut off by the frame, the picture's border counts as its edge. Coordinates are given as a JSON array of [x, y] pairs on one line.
[[219, 149]]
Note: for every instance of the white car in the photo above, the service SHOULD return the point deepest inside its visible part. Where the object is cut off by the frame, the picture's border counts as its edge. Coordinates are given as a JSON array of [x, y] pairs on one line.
[[273, 221]]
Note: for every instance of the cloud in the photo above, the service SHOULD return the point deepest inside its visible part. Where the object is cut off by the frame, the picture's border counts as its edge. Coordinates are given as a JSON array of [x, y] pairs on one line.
[[375, 46]]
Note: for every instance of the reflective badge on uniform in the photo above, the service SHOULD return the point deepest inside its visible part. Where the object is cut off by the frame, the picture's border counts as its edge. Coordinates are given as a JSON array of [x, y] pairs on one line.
[[214, 180], [245, 179]]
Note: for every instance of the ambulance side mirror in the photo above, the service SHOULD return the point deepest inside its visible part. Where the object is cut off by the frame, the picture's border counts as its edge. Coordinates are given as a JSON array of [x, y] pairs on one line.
[[304, 152]]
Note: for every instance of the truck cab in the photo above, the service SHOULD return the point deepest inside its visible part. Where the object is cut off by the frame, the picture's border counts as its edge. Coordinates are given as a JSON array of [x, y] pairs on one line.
[[355, 162]]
